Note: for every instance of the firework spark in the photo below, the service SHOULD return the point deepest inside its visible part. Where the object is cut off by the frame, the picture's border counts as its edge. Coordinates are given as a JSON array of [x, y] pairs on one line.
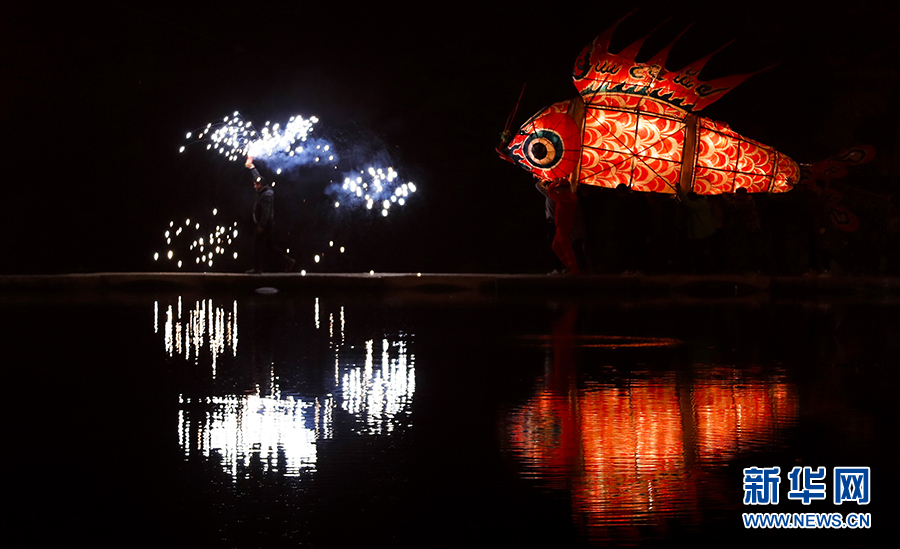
[[237, 138], [374, 187], [187, 245]]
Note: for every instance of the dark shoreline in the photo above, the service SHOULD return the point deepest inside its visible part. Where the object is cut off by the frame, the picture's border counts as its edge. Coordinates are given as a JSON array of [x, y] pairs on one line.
[[712, 286]]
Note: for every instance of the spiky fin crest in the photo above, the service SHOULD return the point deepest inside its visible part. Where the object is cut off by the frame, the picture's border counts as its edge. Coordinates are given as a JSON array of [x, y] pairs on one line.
[[597, 71]]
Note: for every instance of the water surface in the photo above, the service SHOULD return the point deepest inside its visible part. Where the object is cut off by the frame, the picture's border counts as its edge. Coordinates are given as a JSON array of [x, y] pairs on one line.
[[303, 420]]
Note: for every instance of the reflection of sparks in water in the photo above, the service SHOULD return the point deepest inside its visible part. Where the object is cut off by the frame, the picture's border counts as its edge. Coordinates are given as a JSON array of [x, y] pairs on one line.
[[278, 433], [240, 428], [189, 246], [205, 323], [378, 394]]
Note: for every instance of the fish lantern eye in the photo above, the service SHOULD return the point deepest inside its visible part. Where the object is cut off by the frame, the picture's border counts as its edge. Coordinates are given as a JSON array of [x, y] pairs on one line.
[[541, 151], [544, 149], [549, 145]]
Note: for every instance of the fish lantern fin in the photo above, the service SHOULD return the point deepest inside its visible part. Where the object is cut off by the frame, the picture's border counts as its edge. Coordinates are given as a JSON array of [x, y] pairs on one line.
[[599, 72]]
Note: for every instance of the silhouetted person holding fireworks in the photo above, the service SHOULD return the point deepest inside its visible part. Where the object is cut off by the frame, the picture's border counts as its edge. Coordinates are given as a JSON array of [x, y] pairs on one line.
[[264, 248]]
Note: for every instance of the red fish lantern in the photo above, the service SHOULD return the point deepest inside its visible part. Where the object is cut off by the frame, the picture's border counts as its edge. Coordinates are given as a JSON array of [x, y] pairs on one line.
[[635, 124]]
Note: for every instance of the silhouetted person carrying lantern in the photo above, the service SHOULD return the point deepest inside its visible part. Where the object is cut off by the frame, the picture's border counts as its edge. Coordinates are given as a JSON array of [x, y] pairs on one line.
[[699, 227], [566, 204]]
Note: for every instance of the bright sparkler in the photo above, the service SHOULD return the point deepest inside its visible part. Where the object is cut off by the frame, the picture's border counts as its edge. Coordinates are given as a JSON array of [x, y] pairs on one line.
[[283, 147], [237, 138], [376, 188]]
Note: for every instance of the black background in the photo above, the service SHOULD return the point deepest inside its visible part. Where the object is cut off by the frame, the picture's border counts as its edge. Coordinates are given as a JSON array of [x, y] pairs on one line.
[[96, 102]]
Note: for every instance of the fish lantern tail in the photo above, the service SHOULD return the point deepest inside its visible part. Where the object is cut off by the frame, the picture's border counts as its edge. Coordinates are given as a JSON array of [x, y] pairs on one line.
[[818, 175], [817, 178]]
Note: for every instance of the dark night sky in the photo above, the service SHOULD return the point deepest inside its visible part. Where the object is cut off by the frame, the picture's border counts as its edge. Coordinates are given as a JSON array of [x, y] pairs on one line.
[[97, 101]]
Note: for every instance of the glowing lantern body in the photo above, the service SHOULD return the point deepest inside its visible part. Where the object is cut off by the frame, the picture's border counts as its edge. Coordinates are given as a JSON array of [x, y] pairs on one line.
[[634, 124]]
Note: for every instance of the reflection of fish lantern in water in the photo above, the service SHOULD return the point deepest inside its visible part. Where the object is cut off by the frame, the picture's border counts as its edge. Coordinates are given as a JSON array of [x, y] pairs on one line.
[[636, 454], [634, 124]]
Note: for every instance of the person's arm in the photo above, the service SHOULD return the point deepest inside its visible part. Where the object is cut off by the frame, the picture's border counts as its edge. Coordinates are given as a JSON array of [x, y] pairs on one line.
[[685, 200], [249, 165]]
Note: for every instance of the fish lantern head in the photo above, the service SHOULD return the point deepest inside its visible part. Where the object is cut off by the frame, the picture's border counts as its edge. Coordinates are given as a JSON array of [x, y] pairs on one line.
[[548, 145]]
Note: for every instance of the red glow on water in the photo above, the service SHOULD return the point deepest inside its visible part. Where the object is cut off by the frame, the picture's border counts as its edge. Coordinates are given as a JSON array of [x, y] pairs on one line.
[[631, 454]]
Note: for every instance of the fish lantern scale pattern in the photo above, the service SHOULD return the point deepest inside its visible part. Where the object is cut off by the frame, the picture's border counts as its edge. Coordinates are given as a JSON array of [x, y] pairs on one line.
[[635, 124]]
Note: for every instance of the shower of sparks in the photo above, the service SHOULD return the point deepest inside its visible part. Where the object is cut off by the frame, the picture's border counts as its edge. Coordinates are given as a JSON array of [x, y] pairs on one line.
[[374, 188], [189, 246], [237, 138]]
